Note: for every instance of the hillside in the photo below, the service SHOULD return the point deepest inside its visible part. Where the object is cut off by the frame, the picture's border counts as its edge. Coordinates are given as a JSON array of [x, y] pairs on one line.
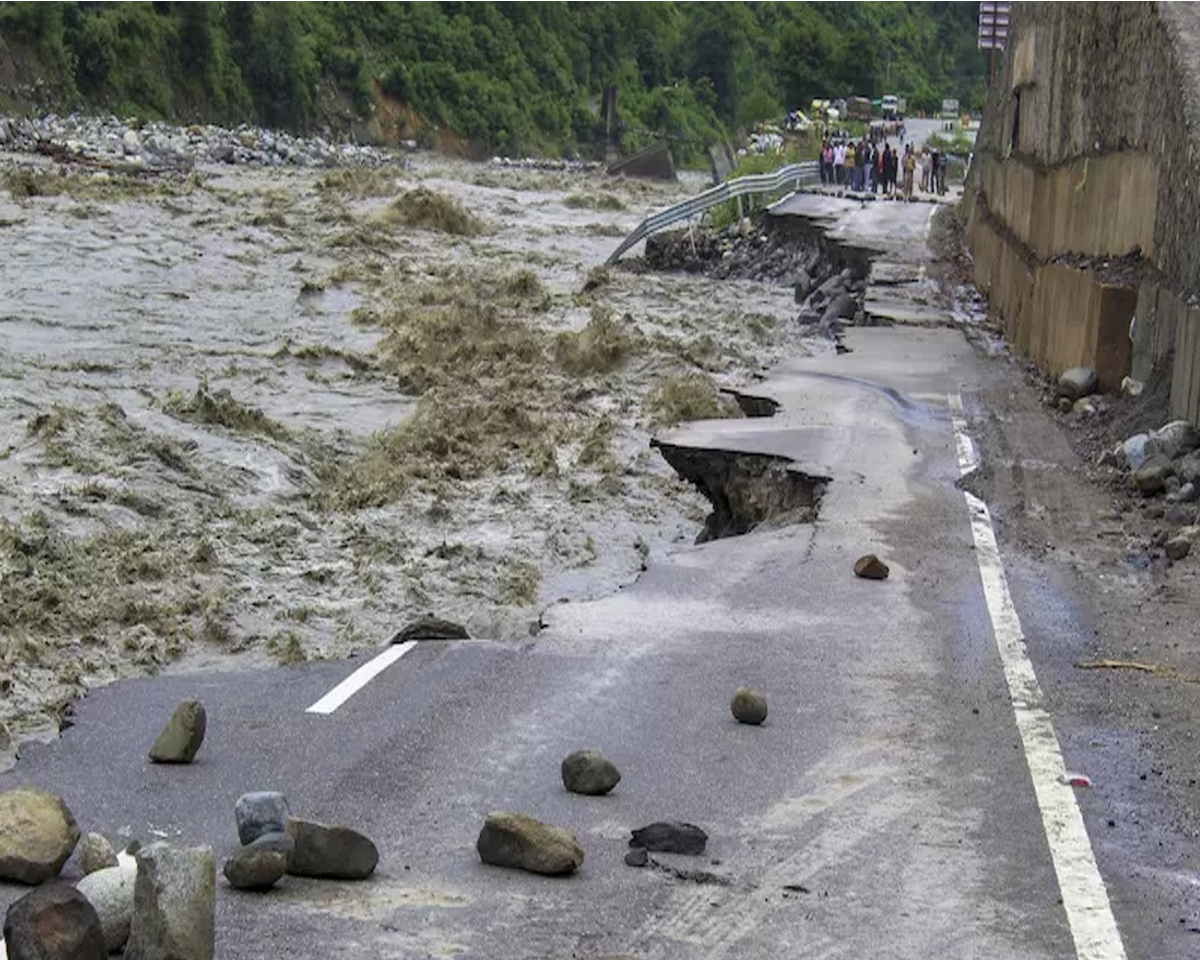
[[512, 78]]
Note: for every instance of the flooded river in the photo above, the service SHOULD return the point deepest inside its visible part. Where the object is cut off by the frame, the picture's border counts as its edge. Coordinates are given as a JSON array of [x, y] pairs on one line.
[[262, 416]]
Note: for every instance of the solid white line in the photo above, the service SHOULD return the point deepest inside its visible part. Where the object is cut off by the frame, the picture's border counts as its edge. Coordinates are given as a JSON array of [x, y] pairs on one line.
[[1084, 895], [360, 678]]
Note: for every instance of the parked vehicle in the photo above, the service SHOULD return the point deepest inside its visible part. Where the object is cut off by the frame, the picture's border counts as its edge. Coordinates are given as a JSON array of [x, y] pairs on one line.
[[890, 106], [950, 110], [859, 108]]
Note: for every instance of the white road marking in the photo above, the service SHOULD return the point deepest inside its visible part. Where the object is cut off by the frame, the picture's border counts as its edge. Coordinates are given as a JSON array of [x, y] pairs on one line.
[[360, 678], [1084, 895]]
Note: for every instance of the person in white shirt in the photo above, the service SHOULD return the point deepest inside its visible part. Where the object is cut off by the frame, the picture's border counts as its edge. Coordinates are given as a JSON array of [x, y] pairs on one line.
[[839, 164]]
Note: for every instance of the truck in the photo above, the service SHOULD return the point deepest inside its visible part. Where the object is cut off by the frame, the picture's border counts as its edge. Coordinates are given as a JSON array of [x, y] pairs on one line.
[[891, 106], [859, 108], [949, 110]]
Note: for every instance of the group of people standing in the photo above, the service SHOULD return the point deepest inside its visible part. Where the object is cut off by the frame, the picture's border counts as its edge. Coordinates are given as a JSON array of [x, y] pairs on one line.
[[862, 167]]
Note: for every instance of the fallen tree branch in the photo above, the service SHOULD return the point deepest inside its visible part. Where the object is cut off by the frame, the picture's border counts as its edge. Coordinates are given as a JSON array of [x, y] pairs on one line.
[[1155, 670]]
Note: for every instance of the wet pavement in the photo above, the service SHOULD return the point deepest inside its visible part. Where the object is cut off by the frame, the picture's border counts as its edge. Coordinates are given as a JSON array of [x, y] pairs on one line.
[[885, 809]]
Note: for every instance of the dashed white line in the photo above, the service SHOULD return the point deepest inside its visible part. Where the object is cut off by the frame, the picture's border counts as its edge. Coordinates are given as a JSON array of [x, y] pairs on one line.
[[360, 678], [1084, 895]]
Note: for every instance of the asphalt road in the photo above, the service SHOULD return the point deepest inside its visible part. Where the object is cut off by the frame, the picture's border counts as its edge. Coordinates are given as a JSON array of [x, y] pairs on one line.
[[885, 810]]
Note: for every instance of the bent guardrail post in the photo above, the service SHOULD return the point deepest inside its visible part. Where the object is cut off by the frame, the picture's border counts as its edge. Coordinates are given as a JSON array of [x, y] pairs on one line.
[[753, 185]]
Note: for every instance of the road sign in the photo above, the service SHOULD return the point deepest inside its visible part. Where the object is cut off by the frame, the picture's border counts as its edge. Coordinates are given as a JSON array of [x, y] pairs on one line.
[[993, 25]]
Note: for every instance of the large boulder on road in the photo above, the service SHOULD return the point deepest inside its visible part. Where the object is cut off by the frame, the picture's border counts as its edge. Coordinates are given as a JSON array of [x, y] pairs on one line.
[[670, 837], [522, 843], [95, 853], [174, 904], [37, 835], [53, 922], [182, 736], [263, 811], [589, 773], [110, 892], [748, 706], [336, 853]]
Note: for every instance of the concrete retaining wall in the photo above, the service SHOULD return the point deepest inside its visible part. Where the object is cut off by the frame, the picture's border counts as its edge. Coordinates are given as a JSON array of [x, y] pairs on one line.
[[1095, 206], [1090, 148], [1057, 315]]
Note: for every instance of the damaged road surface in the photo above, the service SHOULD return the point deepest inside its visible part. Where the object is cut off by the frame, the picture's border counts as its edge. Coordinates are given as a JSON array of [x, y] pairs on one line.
[[745, 489], [886, 808]]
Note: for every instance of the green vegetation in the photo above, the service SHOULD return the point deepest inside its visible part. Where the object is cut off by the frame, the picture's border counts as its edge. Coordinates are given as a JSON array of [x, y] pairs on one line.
[[522, 77], [428, 210], [598, 347], [959, 145], [692, 396], [219, 408]]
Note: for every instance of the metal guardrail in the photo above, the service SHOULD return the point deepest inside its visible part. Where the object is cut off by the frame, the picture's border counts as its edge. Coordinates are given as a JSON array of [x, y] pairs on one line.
[[797, 173]]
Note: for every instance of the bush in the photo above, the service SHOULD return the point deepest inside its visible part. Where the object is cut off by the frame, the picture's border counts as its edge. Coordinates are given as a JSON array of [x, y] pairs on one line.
[[425, 209]]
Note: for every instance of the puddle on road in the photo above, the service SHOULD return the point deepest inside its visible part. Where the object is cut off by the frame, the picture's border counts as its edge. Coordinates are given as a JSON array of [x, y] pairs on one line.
[[213, 450]]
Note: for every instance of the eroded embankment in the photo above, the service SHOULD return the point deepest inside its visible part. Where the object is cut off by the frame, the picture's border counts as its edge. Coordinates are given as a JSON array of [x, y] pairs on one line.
[[746, 490]]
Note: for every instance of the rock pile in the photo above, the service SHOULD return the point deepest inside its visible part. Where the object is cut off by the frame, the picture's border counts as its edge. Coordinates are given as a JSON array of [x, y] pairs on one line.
[[274, 844], [1165, 463], [836, 301], [546, 163], [110, 140]]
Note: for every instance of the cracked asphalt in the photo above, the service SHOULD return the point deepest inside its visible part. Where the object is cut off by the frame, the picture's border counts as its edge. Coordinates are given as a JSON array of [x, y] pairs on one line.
[[885, 809]]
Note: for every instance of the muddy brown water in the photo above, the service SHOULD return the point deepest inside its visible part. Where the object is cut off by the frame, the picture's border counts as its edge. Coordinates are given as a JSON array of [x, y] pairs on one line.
[[140, 532]]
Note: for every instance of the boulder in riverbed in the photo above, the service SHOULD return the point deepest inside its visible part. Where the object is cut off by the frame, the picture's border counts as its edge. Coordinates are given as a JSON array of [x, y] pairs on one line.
[[37, 835], [522, 843]]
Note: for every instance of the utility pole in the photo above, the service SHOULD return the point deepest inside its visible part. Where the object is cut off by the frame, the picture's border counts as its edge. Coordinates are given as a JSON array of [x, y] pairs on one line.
[[993, 31]]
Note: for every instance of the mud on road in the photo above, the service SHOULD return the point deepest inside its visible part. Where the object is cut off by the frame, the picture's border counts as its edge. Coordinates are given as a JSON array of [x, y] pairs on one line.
[[259, 416]]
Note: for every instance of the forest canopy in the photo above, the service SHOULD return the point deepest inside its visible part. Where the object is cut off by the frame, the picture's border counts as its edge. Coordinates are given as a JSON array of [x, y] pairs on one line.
[[509, 77]]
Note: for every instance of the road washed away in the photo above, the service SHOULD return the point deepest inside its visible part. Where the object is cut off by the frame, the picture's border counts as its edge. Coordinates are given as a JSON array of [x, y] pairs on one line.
[[253, 416]]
